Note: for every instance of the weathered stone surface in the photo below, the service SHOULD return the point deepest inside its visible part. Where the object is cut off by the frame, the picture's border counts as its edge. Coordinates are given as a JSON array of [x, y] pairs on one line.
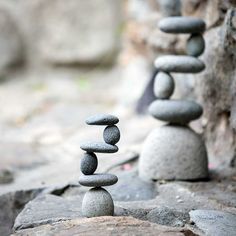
[[195, 45], [175, 111], [170, 7], [180, 24], [163, 85], [97, 180], [98, 147], [181, 64], [217, 223], [173, 152], [111, 134], [102, 119], [48, 209], [88, 163], [97, 202], [105, 225], [76, 38]]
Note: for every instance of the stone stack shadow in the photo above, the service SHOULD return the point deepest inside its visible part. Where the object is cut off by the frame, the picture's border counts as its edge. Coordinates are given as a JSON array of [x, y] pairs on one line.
[[97, 201], [174, 151]]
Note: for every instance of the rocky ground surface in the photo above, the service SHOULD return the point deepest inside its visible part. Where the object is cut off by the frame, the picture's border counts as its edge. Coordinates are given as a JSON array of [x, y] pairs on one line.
[[42, 124]]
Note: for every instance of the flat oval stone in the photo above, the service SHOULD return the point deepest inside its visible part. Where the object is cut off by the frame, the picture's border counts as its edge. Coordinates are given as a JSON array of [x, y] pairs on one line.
[[111, 134], [180, 24], [98, 147], [195, 45], [102, 119], [175, 111], [98, 180], [163, 85], [89, 163], [181, 64]]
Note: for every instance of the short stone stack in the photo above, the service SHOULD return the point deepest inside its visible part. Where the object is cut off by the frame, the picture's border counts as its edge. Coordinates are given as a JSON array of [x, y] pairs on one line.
[[174, 151], [97, 201]]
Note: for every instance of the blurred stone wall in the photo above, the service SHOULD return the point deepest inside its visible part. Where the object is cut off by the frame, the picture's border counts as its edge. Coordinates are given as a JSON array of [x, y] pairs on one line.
[[215, 88]]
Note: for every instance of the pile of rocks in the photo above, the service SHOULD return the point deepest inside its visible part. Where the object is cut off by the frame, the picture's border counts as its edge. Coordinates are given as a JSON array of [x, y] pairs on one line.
[[174, 151], [97, 201]]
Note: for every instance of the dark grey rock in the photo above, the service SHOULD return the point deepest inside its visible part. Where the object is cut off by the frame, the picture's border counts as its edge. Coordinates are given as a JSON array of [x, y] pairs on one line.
[[180, 24], [175, 111], [97, 202], [195, 45], [111, 134], [6, 176], [217, 223], [89, 163], [168, 216], [163, 85], [181, 64], [98, 147], [102, 119], [173, 152], [97, 180]]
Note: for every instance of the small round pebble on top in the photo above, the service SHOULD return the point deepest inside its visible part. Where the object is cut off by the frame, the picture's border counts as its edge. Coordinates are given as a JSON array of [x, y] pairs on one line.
[[89, 163], [102, 119], [111, 134]]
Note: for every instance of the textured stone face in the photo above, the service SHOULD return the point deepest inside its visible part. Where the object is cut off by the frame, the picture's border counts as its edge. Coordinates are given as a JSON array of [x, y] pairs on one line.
[[97, 202], [101, 147], [173, 152], [102, 119], [179, 64], [88, 164], [175, 111], [111, 134]]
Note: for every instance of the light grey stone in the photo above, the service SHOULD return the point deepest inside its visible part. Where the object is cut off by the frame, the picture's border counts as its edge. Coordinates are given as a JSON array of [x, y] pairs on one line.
[[101, 147], [111, 134], [195, 45], [173, 152], [180, 24], [97, 202], [97, 180], [217, 223], [163, 85], [102, 119], [181, 64], [175, 111], [88, 164]]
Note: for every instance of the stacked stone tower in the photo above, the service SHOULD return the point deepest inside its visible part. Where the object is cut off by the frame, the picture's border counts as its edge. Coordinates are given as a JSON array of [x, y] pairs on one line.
[[97, 201], [174, 151]]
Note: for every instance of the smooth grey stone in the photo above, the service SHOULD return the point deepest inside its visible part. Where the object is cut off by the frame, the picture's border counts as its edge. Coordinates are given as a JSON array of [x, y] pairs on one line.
[[89, 163], [102, 119], [180, 24], [181, 64], [98, 147], [175, 111], [97, 180], [212, 222], [111, 134], [97, 202], [195, 45], [164, 85], [173, 152]]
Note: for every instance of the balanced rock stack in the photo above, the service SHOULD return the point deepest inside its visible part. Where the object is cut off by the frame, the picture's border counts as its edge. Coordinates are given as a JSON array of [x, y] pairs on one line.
[[97, 201], [174, 151]]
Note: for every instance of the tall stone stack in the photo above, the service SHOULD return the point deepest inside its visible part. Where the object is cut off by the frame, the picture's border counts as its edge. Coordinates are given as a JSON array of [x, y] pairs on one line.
[[174, 151], [97, 201]]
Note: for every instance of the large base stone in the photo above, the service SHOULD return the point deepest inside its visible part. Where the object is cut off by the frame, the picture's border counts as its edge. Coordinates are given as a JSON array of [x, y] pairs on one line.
[[173, 152]]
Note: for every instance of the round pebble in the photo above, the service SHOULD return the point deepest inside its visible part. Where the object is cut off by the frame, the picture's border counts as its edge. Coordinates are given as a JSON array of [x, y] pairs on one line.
[[89, 163], [97, 202], [181, 64], [97, 180], [195, 45], [102, 119], [100, 147], [163, 85], [111, 134], [175, 111], [180, 24]]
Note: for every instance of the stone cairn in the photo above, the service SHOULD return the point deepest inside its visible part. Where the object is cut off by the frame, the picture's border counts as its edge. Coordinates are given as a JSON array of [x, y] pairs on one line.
[[97, 201], [174, 151]]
